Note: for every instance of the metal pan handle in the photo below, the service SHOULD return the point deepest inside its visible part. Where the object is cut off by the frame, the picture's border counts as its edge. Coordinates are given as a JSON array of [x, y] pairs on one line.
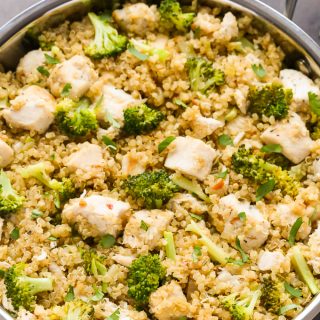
[[290, 8]]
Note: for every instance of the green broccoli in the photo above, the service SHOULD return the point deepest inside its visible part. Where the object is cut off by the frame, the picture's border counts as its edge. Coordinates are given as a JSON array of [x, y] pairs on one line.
[[203, 77], [148, 50], [64, 189], [271, 100], [271, 292], [216, 253], [93, 263], [10, 201], [173, 17], [141, 119], [78, 310], [301, 267], [253, 167], [313, 124], [155, 188], [107, 41], [241, 307], [146, 274], [278, 159], [21, 289], [75, 119]]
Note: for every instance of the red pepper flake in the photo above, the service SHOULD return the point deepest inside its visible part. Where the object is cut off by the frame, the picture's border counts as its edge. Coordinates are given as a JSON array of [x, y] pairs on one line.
[[109, 206], [219, 185]]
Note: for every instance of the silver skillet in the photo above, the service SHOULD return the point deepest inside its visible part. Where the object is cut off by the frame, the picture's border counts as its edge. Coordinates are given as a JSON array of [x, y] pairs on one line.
[[302, 52]]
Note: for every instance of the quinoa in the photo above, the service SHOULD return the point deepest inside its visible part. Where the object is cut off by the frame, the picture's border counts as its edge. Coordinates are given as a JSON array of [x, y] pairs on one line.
[[50, 244]]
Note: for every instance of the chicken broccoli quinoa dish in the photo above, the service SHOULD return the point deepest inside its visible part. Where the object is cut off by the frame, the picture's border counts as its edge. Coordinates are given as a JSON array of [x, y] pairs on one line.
[[158, 162]]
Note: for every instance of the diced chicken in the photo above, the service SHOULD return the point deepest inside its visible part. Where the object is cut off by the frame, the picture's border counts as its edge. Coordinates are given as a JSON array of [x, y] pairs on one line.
[[133, 163], [78, 72], [187, 203], [299, 83], [313, 254], [316, 169], [252, 233], [31, 110], [226, 281], [228, 29], [27, 67], [240, 97], [125, 261], [292, 136], [6, 154], [203, 126], [88, 158], [206, 22], [156, 222], [168, 302], [96, 215], [25, 315], [137, 18], [114, 102], [270, 260], [285, 215], [190, 156]]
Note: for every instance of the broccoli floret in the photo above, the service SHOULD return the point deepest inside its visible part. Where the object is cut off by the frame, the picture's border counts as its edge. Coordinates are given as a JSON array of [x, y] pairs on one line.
[[173, 17], [241, 307], [78, 310], [21, 289], [203, 77], [10, 201], [146, 274], [271, 100], [93, 263], [313, 126], [301, 267], [155, 188], [255, 168], [65, 188], [141, 119], [271, 294], [150, 51], [278, 159], [107, 42], [75, 119], [216, 253]]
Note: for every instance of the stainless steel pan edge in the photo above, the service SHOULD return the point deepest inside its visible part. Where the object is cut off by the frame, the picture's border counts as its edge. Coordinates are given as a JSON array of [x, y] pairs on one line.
[[293, 39]]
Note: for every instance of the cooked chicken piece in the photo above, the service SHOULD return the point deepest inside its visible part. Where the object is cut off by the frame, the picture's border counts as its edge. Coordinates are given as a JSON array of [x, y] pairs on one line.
[[270, 261], [313, 254], [228, 28], [203, 126], [205, 22], [253, 233], [168, 302], [187, 203], [6, 154], [28, 64], [77, 72], [292, 136], [190, 156], [31, 110], [145, 228], [133, 163], [299, 83], [88, 158], [137, 18], [96, 215]]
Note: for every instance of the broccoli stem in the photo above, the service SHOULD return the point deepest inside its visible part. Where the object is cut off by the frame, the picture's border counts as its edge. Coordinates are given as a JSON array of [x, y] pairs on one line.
[[216, 253], [37, 285], [191, 186], [6, 188], [170, 247], [97, 268], [253, 301], [302, 269]]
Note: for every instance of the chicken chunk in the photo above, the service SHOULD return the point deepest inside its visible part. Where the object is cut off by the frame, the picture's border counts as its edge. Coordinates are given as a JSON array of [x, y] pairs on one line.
[[184, 202], [96, 215], [27, 67], [252, 234], [78, 72], [270, 261], [292, 136], [190, 156], [205, 22], [6, 154], [168, 302], [227, 281], [228, 29], [299, 83], [33, 109], [88, 158], [114, 102], [137, 18], [133, 163], [155, 221], [313, 255]]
